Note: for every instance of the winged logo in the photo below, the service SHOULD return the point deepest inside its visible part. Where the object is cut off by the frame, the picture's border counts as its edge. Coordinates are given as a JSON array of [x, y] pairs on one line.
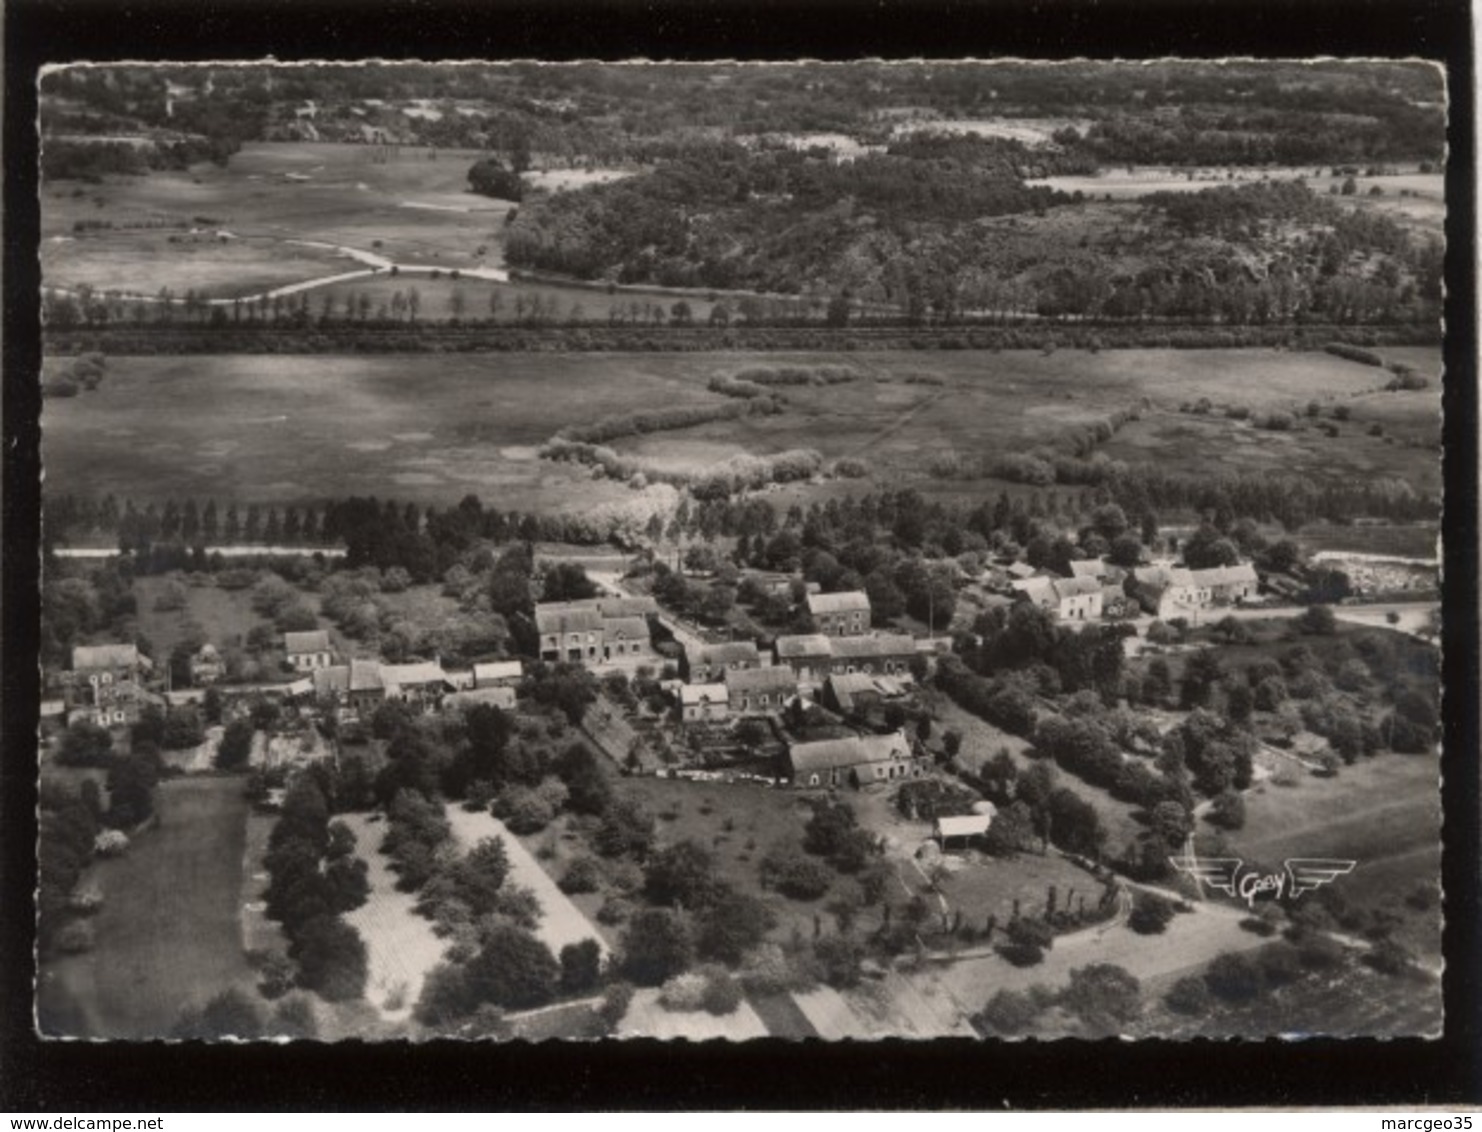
[[1310, 873], [1217, 872]]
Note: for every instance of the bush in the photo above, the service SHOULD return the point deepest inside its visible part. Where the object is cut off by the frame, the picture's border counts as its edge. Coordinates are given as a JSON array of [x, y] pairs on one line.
[[1190, 995], [1103, 996], [794, 875], [582, 875], [1010, 1013], [111, 843], [722, 994], [1319, 952], [1233, 977], [1028, 940], [1390, 958], [581, 967], [684, 993], [1151, 916], [840, 961], [1280, 963]]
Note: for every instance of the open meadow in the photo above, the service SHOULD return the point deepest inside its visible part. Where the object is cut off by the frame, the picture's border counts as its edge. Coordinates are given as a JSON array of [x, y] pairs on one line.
[[1383, 812], [435, 427], [408, 204], [169, 934]]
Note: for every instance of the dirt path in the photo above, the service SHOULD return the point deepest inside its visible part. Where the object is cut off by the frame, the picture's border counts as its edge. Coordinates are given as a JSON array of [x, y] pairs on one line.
[[561, 921]]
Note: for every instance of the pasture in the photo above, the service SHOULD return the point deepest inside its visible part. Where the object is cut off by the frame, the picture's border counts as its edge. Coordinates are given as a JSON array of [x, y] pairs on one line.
[[404, 203], [433, 428], [170, 929], [1384, 812]]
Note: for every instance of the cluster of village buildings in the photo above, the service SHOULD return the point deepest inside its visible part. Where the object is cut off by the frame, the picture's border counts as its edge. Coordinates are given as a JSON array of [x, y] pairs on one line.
[[844, 664]]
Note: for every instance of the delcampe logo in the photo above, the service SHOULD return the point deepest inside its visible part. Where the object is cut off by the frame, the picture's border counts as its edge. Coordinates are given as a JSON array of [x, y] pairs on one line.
[[1230, 876]]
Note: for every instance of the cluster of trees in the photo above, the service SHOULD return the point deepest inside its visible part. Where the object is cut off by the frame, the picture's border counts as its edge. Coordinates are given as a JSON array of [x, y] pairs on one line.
[[70, 819], [1102, 999], [314, 878]]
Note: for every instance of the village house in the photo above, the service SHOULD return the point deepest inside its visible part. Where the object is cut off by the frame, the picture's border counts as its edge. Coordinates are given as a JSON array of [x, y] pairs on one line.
[[1165, 591], [709, 662], [704, 703], [582, 633], [1096, 568], [961, 832], [1228, 585], [106, 684], [355, 690], [889, 653], [810, 655], [1069, 599], [760, 691], [308, 651], [1171, 591], [840, 614], [422, 683], [857, 761]]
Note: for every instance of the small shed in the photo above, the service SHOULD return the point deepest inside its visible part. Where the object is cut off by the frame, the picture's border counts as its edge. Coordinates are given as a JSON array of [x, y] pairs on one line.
[[961, 830]]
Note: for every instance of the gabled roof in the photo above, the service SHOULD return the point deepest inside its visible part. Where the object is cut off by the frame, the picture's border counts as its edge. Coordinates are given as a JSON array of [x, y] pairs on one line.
[[776, 679], [1020, 570], [1087, 567], [851, 683], [335, 678], [419, 672], [1242, 572], [315, 640], [627, 606], [628, 628], [885, 644], [567, 617], [703, 693], [726, 652], [836, 754], [493, 670], [1162, 577], [849, 602], [105, 656], [1076, 587], [1037, 590], [365, 676], [807, 644]]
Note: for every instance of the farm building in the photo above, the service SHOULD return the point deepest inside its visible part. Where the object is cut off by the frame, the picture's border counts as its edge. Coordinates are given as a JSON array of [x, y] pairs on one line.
[[885, 652], [857, 761], [861, 691], [307, 651], [710, 662], [1069, 599], [105, 684], [500, 696], [1089, 568], [809, 656], [356, 689], [626, 606], [582, 633], [1167, 591], [960, 832], [841, 614], [422, 683], [495, 673], [760, 691], [704, 703]]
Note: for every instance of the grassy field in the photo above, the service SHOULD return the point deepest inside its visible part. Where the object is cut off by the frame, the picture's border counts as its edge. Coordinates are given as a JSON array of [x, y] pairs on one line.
[[1383, 812], [409, 208], [432, 428], [169, 932]]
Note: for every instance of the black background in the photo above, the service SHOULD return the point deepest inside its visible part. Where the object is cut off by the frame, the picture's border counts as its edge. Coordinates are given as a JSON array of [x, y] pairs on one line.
[[76, 1077]]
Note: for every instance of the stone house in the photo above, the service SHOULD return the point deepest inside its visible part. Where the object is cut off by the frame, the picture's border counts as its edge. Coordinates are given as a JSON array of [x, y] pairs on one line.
[[840, 614]]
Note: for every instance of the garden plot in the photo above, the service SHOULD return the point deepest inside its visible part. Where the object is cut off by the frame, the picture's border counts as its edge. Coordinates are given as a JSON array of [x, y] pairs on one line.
[[401, 945]]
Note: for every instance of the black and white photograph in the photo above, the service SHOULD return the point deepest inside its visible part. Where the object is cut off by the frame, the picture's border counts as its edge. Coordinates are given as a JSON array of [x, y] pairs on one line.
[[841, 550]]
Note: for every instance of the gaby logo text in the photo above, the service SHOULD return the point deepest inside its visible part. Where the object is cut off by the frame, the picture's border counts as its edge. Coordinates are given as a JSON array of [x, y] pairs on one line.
[[1230, 876]]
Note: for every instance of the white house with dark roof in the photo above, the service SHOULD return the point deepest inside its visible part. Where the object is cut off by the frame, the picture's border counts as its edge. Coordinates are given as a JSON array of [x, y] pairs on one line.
[[856, 761], [840, 614], [760, 691], [309, 650], [594, 632], [704, 663], [704, 703]]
